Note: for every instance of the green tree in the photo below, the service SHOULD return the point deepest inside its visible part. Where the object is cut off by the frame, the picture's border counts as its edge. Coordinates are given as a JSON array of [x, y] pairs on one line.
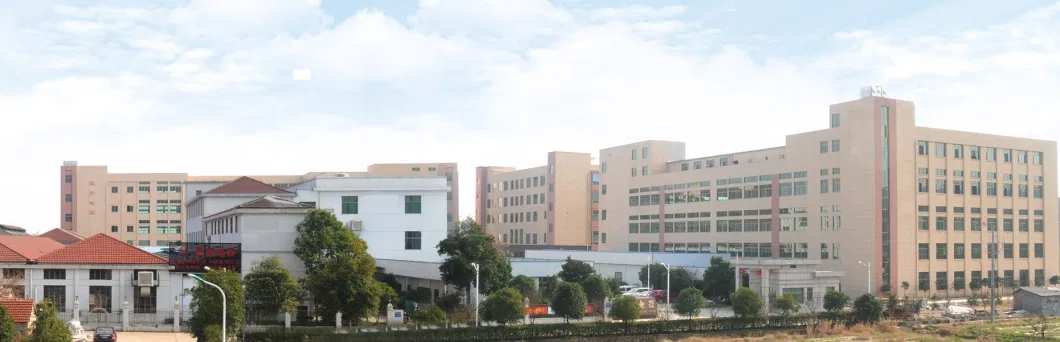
[[1054, 280], [548, 286], [625, 309], [213, 333], [746, 303], [322, 237], [527, 287], [614, 284], [596, 291], [570, 301], [429, 315], [504, 307], [48, 327], [7, 326], [835, 301], [388, 296], [905, 287], [206, 302], [271, 289], [786, 304], [346, 284], [449, 302], [868, 309], [689, 302], [719, 280], [470, 244], [575, 271], [658, 276]]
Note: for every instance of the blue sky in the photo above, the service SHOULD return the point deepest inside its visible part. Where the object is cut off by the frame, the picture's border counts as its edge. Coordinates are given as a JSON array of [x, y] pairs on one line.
[[206, 86]]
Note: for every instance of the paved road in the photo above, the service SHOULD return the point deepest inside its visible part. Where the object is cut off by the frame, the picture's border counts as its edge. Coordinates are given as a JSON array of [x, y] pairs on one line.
[[152, 337]]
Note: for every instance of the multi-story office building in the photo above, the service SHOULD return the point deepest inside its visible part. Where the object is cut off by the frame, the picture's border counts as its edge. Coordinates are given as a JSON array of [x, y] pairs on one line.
[[145, 209], [554, 205], [139, 208], [917, 204], [200, 184]]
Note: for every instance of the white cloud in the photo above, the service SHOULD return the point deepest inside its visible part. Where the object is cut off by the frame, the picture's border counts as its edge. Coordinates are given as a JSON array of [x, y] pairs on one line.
[[207, 88]]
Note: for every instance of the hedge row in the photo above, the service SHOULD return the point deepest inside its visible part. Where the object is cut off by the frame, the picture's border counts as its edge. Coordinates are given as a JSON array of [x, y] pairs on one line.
[[545, 331]]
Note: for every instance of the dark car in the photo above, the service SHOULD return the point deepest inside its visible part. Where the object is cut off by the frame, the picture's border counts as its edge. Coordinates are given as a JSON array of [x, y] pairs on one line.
[[105, 334]]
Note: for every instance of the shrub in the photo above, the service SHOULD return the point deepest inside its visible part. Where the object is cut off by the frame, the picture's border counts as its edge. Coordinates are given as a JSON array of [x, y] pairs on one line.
[[213, 333], [625, 309], [689, 302], [430, 315], [786, 304], [504, 307], [746, 303], [868, 309], [835, 301], [569, 302]]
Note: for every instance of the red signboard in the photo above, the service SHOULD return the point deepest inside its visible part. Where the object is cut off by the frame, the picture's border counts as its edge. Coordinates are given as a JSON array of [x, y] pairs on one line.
[[195, 257]]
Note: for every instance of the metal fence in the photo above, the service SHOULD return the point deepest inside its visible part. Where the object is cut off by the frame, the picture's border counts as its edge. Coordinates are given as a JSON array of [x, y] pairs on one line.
[[163, 317]]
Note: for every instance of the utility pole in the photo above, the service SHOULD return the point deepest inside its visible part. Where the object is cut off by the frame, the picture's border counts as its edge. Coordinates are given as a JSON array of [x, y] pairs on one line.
[[993, 276], [868, 277]]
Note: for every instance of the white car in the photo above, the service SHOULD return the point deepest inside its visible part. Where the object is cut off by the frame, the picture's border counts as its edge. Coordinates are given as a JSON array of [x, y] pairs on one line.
[[625, 288], [638, 292]]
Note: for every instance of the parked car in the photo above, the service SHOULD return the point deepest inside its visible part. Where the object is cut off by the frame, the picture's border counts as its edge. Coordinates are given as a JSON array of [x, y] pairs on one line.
[[105, 334], [640, 292], [625, 288]]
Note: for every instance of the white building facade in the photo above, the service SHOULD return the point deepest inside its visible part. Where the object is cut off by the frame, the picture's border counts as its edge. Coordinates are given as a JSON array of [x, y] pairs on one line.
[[263, 227], [401, 218]]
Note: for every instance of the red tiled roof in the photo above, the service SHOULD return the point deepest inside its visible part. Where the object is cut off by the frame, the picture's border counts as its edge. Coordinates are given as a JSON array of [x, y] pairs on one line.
[[101, 249], [29, 247], [246, 185], [20, 309], [271, 202], [8, 255], [63, 236]]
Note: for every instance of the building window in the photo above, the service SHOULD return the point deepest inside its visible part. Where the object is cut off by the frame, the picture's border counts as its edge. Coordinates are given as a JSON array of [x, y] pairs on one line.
[[413, 205], [941, 250], [68, 217], [98, 274], [940, 149], [834, 120], [349, 204], [413, 240], [55, 274], [633, 154], [68, 179], [146, 304], [824, 147], [68, 198], [835, 184], [835, 145], [99, 299], [113, 229], [922, 148], [57, 295]]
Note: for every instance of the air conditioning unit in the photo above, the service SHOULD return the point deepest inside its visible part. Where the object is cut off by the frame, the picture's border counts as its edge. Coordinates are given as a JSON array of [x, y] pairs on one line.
[[146, 279], [355, 225]]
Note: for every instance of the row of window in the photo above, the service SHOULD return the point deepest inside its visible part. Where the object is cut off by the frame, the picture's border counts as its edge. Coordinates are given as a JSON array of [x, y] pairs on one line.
[[942, 251], [520, 237], [522, 183], [978, 210], [979, 153], [974, 188], [514, 201], [1008, 177], [976, 280], [835, 146], [413, 204], [146, 229], [143, 208], [730, 193], [976, 224], [60, 274]]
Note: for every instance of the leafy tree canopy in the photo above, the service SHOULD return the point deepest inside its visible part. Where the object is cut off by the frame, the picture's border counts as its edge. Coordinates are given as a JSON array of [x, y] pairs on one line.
[[680, 278], [470, 244], [206, 302], [786, 304], [7, 326], [719, 280], [271, 288], [575, 271], [429, 314], [527, 287], [347, 284], [321, 237], [614, 284], [548, 287], [570, 301], [48, 327], [658, 276], [596, 289]]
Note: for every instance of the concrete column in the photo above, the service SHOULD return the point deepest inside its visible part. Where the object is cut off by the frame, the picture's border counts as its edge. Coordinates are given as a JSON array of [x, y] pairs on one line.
[[338, 320], [765, 290], [176, 316], [286, 320], [526, 310], [125, 315]]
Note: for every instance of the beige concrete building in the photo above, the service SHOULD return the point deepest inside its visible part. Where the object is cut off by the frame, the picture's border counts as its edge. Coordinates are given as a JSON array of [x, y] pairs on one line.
[[145, 209], [554, 205], [917, 204]]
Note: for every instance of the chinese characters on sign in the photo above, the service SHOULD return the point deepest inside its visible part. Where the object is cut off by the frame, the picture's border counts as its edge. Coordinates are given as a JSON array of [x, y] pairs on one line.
[[92, 198], [195, 257]]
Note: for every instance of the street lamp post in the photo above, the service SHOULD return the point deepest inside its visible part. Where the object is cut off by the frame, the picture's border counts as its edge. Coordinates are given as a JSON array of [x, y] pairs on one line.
[[224, 305], [869, 274], [668, 308], [475, 265]]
